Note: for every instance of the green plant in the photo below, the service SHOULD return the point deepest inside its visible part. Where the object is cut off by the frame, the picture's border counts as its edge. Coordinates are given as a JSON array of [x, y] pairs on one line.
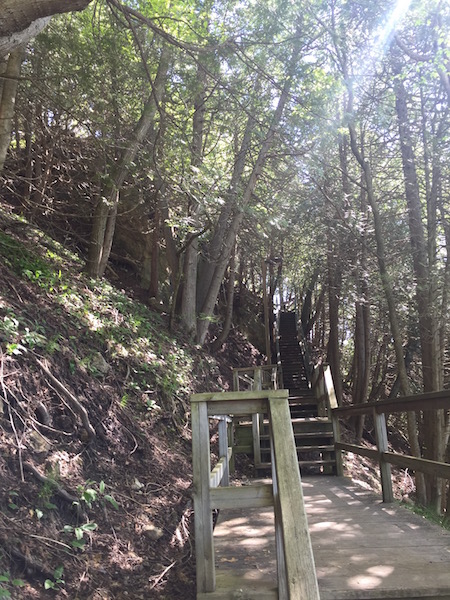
[[52, 584], [5, 581], [429, 514], [92, 492], [12, 495], [79, 531]]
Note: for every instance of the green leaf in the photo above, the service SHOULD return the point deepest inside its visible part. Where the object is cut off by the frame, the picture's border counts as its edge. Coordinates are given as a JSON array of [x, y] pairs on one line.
[[78, 544], [102, 487], [112, 501], [58, 572], [5, 593], [18, 582], [49, 584], [4, 577]]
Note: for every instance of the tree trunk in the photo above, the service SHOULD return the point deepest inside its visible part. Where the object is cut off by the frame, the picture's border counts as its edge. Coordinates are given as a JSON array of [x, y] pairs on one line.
[[334, 294], [189, 298], [221, 338], [21, 20], [8, 99], [433, 425], [227, 234], [390, 299], [104, 220]]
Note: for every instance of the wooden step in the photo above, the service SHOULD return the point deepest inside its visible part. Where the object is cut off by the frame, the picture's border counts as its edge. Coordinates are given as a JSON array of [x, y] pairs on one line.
[[305, 449], [302, 463]]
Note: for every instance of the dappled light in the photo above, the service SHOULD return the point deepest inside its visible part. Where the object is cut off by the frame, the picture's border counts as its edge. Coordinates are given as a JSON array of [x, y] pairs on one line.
[[224, 286]]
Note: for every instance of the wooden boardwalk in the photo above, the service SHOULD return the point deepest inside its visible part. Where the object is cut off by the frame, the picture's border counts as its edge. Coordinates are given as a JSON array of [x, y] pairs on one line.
[[363, 549]]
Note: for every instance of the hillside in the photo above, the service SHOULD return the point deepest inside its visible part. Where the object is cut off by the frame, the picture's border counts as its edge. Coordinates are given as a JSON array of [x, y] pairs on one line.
[[95, 499]]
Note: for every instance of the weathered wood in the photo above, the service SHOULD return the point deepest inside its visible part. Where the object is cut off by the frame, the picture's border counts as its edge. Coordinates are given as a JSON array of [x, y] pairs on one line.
[[301, 578], [217, 475], [385, 467], [201, 464], [430, 401], [243, 396], [224, 450], [331, 405], [231, 594], [239, 408], [361, 450], [363, 549], [256, 434], [423, 465], [249, 496]]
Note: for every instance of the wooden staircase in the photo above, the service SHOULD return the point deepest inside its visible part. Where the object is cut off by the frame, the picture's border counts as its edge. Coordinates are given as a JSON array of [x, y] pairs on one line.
[[313, 429]]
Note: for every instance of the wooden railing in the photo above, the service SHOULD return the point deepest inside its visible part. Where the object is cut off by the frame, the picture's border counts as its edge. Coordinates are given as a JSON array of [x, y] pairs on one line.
[[296, 571], [379, 410], [266, 377], [323, 388]]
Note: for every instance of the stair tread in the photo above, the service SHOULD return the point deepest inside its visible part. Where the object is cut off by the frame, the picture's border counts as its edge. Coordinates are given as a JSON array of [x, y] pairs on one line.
[[316, 448], [302, 463]]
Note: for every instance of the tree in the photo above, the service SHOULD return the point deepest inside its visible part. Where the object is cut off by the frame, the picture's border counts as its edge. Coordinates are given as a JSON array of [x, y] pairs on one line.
[[21, 20]]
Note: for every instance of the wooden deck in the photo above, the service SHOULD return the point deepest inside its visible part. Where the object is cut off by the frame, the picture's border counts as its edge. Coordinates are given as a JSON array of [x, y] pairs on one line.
[[363, 549]]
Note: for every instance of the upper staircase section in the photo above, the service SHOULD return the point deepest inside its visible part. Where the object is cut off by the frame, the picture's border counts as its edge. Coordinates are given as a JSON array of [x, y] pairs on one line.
[[301, 398], [308, 407]]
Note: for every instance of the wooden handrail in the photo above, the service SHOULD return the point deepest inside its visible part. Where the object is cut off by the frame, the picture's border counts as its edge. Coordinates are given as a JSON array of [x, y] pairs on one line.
[[379, 410], [296, 571], [323, 387], [253, 377]]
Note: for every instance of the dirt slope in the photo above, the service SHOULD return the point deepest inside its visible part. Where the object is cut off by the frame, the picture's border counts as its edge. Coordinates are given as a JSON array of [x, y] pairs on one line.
[[95, 488]]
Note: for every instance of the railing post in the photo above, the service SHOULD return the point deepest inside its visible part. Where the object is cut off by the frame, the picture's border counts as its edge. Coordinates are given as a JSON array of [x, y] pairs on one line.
[[235, 380], [223, 449], [295, 562], [201, 464], [332, 404], [382, 445], [256, 421]]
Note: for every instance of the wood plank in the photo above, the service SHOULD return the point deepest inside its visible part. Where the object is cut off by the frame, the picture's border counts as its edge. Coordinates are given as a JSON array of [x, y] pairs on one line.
[[431, 401], [225, 451], [363, 549], [419, 464], [249, 496], [301, 578], [215, 477], [385, 467], [361, 450], [238, 408], [221, 396], [201, 464]]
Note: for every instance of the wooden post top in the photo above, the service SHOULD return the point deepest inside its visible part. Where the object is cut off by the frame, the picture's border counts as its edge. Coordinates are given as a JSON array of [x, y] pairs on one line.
[[245, 396]]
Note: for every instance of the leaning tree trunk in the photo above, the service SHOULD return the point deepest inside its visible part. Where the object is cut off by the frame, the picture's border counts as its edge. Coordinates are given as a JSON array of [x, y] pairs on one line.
[[221, 338], [227, 234], [189, 295], [21, 20], [104, 218], [8, 91]]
